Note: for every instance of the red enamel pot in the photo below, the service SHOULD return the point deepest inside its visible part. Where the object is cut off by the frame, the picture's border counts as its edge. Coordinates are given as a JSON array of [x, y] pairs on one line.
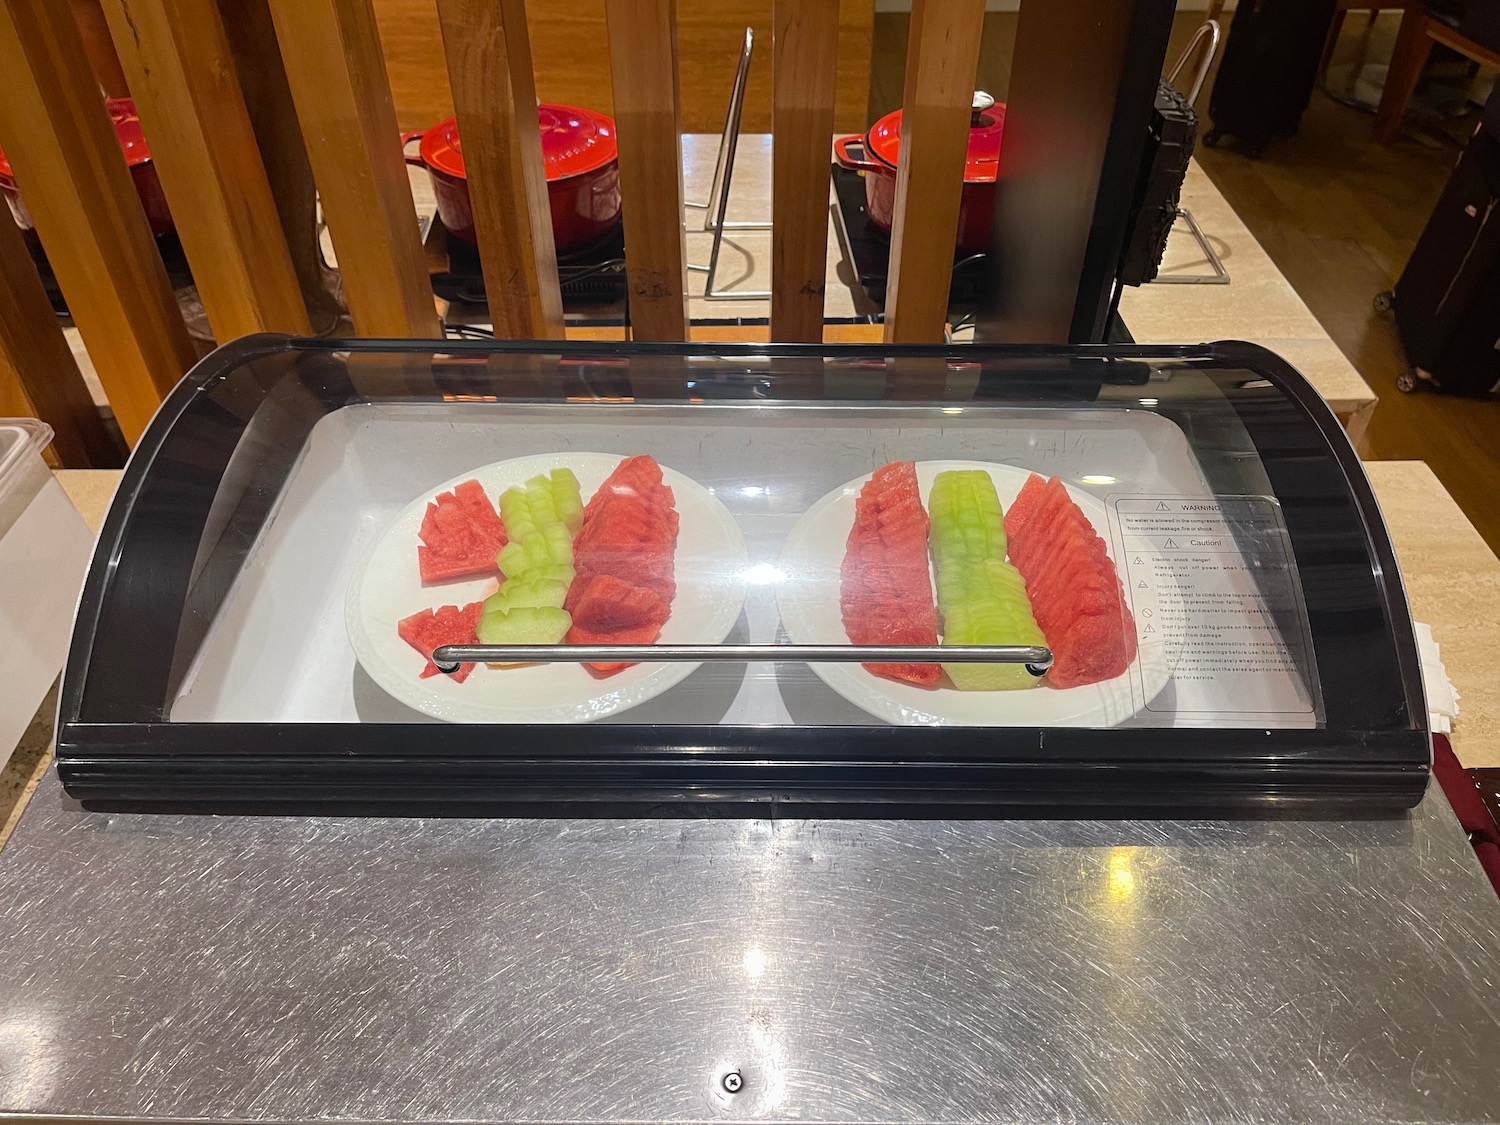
[[875, 155], [137, 157], [583, 174]]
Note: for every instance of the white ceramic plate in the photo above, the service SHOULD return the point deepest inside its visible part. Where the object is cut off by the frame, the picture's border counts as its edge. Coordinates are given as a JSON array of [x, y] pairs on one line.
[[386, 587], [808, 596]]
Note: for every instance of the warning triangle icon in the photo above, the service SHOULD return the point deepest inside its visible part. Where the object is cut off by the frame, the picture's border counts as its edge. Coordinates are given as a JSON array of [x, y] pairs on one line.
[[1171, 544], [1141, 585], [1162, 506], [1149, 629], [1137, 561]]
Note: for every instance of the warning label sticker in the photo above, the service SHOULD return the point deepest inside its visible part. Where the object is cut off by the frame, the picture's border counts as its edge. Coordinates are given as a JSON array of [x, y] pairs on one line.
[[1214, 588]]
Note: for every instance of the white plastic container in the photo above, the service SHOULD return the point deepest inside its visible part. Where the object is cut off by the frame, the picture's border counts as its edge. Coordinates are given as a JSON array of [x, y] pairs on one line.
[[44, 551]]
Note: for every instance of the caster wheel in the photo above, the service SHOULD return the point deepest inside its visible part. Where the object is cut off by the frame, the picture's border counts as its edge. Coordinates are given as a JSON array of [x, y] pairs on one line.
[[1211, 138], [1384, 302], [1407, 381]]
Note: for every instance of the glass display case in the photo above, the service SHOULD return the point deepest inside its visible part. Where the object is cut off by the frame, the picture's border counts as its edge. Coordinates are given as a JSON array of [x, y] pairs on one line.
[[459, 577]]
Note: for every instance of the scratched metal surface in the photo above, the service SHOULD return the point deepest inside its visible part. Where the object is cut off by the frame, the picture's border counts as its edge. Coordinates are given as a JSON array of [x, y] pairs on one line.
[[581, 971]]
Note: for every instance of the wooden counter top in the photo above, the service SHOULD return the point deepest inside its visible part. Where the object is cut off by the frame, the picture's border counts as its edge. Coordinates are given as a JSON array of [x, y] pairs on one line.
[[1453, 583]]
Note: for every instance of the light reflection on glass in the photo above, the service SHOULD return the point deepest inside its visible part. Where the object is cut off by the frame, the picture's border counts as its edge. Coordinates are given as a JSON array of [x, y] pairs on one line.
[[754, 490], [1150, 401], [763, 574], [755, 962], [1097, 478]]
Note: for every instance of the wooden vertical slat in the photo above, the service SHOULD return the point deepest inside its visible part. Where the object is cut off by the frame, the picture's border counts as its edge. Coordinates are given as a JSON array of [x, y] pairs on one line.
[[38, 375], [941, 60], [338, 80], [804, 61], [856, 46], [98, 44], [273, 116], [489, 68], [1058, 224], [183, 79], [643, 72], [57, 134]]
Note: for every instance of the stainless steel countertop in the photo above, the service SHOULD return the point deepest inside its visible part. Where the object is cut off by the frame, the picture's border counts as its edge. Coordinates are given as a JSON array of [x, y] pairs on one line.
[[335, 969]]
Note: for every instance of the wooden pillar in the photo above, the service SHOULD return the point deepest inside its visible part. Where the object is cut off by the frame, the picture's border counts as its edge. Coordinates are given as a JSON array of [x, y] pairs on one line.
[[38, 375], [643, 72], [942, 56], [57, 134], [273, 116], [337, 75], [804, 60], [488, 49], [182, 76], [1068, 164]]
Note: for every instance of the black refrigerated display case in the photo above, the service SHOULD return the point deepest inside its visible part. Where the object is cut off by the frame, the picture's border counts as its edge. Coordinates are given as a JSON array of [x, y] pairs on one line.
[[239, 641]]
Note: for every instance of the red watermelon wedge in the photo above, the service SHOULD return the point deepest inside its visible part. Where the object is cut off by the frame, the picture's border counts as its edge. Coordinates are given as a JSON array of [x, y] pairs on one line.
[[461, 534], [624, 556], [446, 625], [886, 595], [1074, 590]]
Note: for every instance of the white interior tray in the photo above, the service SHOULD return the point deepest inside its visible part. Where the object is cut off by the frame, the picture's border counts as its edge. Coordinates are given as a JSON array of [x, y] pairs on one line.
[[277, 650]]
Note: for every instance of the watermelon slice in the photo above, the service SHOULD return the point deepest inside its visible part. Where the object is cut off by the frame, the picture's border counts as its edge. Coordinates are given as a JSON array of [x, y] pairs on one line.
[[625, 560], [1075, 592], [886, 594], [461, 533], [446, 625]]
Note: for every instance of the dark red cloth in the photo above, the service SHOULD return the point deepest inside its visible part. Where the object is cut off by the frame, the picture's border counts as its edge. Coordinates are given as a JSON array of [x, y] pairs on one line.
[[1463, 794]]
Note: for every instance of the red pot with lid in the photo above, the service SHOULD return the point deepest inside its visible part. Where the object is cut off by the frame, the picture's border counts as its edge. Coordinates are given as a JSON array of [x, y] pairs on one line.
[[875, 156], [583, 174], [137, 157]]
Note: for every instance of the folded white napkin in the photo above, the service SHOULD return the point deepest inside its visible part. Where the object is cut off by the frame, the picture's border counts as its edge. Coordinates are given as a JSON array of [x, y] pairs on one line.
[[1442, 700]]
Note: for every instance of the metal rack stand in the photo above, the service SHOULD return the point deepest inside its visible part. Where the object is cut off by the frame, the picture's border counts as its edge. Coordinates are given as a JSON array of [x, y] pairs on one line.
[[717, 205], [1220, 276]]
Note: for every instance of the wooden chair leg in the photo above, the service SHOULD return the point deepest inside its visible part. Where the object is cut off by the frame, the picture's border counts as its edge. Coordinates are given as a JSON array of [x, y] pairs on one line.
[[1330, 44], [1413, 45]]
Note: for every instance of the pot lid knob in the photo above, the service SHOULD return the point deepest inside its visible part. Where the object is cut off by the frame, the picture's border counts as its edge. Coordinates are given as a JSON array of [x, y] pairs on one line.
[[981, 102]]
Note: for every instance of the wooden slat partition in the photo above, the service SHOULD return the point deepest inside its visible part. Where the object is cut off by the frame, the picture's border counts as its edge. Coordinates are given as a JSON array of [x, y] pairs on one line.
[[338, 81], [489, 68], [804, 63], [183, 79], [38, 376], [942, 58], [643, 72], [1053, 249], [273, 116], [57, 134]]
